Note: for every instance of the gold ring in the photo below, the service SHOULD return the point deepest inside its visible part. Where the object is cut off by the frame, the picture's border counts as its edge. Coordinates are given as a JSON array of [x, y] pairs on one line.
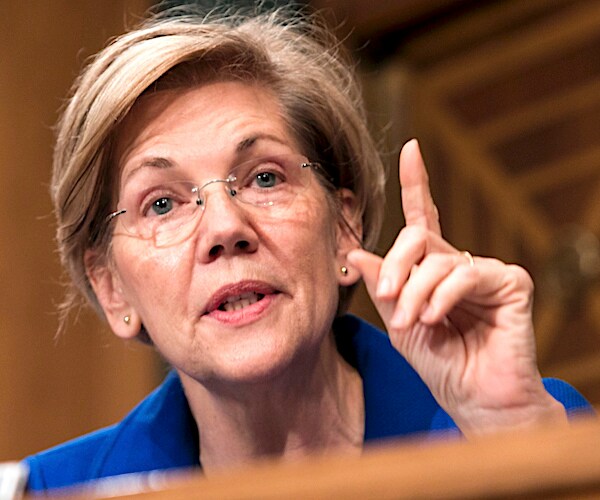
[[469, 257]]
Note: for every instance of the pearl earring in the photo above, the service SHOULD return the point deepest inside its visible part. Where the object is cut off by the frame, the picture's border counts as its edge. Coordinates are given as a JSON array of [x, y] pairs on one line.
[[344, 270], [127, 319]]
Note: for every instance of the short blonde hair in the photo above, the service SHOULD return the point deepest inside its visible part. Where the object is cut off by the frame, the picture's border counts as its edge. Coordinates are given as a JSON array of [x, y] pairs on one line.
[[293, 55]]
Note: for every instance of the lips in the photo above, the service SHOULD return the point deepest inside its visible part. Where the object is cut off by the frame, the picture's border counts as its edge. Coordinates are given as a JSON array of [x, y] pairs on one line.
[[238, 297], [239, 302]]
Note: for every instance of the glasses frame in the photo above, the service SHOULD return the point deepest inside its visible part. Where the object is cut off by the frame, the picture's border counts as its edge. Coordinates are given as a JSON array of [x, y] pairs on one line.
[[312, 165]]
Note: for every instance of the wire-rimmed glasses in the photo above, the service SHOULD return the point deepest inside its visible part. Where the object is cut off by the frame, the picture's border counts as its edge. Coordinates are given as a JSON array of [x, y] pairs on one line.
[[166, 211]]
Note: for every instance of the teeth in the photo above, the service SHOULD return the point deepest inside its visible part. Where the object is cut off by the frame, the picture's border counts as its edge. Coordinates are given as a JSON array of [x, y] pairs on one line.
[[237, 302]]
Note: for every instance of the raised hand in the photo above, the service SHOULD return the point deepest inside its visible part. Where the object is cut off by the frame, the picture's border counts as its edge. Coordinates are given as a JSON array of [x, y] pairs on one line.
[[463, 323]]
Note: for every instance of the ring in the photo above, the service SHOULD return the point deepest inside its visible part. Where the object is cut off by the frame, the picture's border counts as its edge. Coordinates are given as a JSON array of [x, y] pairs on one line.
[[469, 257]]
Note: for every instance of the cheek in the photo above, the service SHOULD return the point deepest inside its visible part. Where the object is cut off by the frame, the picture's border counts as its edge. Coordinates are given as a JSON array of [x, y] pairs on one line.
[[307, 235], [316, 215], [312, 245], [151, 276]]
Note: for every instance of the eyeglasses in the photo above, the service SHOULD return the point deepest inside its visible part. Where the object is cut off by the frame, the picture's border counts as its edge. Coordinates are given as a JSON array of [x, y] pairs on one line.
[[166, 211]]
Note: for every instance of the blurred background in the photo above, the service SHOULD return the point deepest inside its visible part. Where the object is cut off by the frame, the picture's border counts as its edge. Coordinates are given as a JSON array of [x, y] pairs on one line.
[[503, 95]]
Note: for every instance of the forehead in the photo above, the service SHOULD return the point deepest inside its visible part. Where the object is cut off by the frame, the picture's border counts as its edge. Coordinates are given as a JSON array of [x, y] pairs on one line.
[[201, 122]]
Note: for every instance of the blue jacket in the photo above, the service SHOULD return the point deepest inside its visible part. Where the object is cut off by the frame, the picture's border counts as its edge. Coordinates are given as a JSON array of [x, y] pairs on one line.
[[160, 433]]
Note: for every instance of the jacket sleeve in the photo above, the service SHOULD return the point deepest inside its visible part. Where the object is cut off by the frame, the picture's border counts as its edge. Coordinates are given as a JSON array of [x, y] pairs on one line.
[[571, 399]]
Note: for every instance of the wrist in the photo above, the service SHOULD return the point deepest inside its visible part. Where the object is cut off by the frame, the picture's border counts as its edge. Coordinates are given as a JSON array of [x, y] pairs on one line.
[[507, 419]]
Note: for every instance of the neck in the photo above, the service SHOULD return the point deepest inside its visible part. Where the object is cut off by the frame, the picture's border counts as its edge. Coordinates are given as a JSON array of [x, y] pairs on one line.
[[311, 410]]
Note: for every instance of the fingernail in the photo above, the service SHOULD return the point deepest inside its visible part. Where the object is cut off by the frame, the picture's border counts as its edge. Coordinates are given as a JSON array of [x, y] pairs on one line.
[[427, 313], [398, 319], [384, 287], [352, 256]]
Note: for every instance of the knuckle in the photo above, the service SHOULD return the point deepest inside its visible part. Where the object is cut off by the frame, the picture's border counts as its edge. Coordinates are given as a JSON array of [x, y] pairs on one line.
[[436, 259], [520, 277], [415, 233], [523, 275]]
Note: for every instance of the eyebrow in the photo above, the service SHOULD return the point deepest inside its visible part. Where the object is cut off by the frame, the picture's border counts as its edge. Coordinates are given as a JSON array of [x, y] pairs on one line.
[[159, 162], [249, 142], [243, 146]]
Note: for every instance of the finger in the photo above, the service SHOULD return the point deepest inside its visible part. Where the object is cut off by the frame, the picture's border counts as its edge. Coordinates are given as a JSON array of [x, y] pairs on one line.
[[418, 292], [480, 287], [412, 244], [459, 284], [368, 265], [417, 202], [406, 252]]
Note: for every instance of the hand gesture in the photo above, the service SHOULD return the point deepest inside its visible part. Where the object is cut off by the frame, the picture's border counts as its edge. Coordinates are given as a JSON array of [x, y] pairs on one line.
[[463, 323]]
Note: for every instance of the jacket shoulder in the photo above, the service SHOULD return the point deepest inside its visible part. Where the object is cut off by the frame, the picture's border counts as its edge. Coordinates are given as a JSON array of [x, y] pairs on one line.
[[138, 443], [69, 463]]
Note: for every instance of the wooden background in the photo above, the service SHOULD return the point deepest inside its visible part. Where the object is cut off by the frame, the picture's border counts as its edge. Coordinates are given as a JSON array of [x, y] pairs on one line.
[[50, 389], [505, 98], [503, 95]]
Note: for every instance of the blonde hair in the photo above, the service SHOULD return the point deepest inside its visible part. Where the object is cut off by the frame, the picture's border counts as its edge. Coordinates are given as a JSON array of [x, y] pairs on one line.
[[293, 55]]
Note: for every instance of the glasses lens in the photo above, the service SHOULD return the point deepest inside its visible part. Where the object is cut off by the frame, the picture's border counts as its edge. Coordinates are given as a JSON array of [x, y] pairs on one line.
[[167, 212], [272, 182], [161, 211]]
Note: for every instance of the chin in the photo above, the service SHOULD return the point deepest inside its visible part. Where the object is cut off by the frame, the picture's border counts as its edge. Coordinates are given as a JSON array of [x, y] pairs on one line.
[[256, 366]]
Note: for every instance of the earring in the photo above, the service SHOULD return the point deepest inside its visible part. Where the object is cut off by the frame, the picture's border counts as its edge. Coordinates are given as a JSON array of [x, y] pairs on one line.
[[127, 319], [344, 270]]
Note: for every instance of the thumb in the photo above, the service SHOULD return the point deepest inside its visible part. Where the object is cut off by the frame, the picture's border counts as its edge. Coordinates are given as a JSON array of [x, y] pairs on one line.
[[368, 265]]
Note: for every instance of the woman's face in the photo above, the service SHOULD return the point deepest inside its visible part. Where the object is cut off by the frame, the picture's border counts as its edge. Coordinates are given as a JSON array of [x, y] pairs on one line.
[[279, 274]]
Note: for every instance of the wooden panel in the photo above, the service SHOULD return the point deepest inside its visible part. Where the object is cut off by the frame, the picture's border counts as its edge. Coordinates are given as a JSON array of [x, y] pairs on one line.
[[504, 97], [50, 389], [546, 463], [361, 22], [509, 119]]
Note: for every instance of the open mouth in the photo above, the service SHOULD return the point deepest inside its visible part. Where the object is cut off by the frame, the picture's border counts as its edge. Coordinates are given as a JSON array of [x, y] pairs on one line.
[[239, 302]]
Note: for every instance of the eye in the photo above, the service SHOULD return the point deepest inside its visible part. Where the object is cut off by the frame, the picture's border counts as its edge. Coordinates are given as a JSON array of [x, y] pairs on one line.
[[267, 179], [168, 199], [267, 173], [162, 206]]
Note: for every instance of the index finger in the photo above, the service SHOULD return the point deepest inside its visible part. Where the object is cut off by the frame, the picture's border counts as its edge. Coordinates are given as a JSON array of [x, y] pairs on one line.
[[417, 203]]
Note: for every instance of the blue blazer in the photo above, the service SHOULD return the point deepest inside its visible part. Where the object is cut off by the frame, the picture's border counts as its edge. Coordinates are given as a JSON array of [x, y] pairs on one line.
[[160, 433]]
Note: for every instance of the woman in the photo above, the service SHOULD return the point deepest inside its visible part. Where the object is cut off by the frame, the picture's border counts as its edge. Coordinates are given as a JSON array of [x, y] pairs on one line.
[[217, 196]]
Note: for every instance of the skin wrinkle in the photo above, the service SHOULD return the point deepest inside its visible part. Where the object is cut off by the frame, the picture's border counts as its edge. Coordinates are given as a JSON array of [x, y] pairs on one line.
[[284, 363], [269, 379]]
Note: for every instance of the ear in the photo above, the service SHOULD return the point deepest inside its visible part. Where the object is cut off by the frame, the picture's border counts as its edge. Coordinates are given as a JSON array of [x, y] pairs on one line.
[[106, 283], [349, 229]]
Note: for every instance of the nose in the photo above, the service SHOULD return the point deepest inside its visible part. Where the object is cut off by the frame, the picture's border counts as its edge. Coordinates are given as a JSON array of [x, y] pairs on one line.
[[225, 228]]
